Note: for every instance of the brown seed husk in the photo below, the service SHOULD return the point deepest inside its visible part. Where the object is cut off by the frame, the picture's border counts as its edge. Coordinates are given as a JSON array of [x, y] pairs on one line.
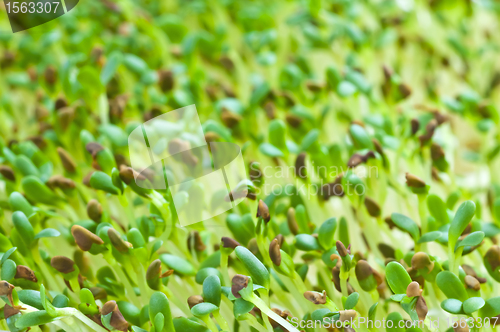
[[229, 118], [293, 120], [358, 159], [270, 109], [415, 126], [154, 270], [116, 240], [66, 115], [292, 222], [86, 179], [263, 211], [62, 264], [194, 240], [59, 181], [117, 320], [94, 210], [363, 270], [347, 315], [6, 290], [469, 270], [98, 292], [472, 283], [194, 300], [421, 308], [372, 207], [226, 62], [50, 75], [334, 188], [274, 252], [421, 260], [386, 250], [437, 152], [280, 239], [239, 282], [413, 289], [341, 249], [94, 148], [493, 257], [300, 166], [405, 90], [228, 242], [66, 160], [355, 160], [414, 181], [461, 326], [85, 238], [165, 80], [24, 272], [7, 172], [39, 141], [9, 311], [430, 128], [128, 174], [315, 297]]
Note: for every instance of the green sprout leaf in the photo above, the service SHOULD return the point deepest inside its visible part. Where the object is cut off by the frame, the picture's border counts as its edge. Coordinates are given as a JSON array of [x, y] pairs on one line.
[[451, 286], [47, 232], [203, 309], [183, 324], [453, 306], [473, 304], [257, 270], [437, 208], [34, 319], [397, 277], [429, 237], [406, 224], [462, 218], [473, 239], [212, 290], [326, 233], [179, 265], [351, 301], [159, 303], [306, 242]]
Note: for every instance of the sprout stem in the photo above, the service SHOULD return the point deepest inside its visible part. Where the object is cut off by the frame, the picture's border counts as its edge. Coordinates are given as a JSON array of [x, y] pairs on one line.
[[259, 303], [73, 312], [222, 322], [343, 282], [210, 324], [122, 277], [48, 277], [223, 266], [175, 300], [75, 285]]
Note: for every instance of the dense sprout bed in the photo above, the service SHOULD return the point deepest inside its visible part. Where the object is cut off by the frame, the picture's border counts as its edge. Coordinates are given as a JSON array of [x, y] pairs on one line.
[[369, 130]]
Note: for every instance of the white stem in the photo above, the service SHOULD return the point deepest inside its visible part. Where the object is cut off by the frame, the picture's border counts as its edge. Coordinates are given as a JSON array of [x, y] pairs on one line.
[[73, 312], [265, 309]]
